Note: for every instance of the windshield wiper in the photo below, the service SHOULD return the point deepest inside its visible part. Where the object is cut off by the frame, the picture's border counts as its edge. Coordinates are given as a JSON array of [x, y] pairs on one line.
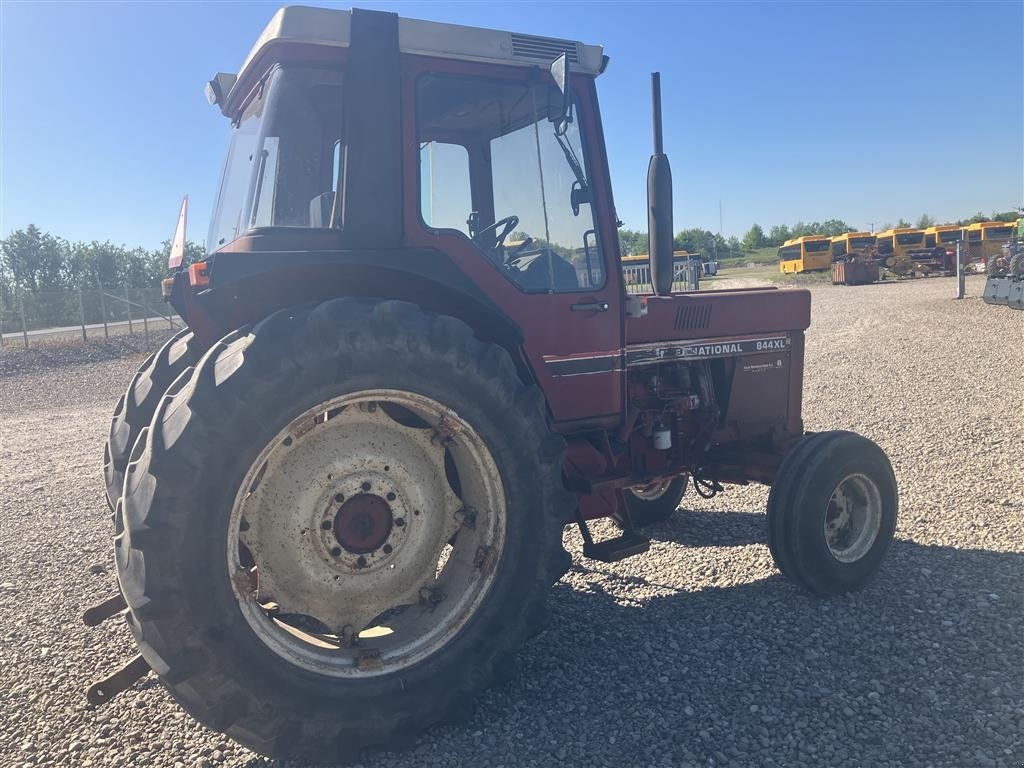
[[574, 163]]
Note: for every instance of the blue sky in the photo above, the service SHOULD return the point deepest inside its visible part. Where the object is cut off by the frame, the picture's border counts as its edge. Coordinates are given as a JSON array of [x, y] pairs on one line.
[[867, 112]]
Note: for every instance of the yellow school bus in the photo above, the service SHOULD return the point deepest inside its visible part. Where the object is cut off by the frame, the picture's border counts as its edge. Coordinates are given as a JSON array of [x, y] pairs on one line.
[[945, 235], [900, 243], [805, 254], [985, 239], [852, 244]]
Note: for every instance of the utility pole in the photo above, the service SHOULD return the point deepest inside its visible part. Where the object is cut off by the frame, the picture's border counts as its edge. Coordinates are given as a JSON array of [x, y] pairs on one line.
[[872, 227], [719, 217]]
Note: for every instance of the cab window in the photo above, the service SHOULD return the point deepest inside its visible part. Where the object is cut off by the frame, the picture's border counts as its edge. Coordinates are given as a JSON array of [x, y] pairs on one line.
[[494, 167]]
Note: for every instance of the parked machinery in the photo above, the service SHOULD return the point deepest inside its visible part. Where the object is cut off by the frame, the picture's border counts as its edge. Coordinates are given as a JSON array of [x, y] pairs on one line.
[[339, 496]]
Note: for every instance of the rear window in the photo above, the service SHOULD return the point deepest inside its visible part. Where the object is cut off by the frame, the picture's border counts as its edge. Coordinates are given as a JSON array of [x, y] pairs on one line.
[[861, 242], [950, 236], [789, 252], [816, 246], [910, 238], [997, 233]]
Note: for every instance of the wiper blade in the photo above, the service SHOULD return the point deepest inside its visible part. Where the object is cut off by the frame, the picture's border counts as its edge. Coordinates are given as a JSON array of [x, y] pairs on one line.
[[570, 158]]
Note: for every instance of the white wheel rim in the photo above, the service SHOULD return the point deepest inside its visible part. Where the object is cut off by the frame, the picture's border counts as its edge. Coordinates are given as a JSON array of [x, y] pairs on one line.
[[347, 523], [651, 491], [853, 518]]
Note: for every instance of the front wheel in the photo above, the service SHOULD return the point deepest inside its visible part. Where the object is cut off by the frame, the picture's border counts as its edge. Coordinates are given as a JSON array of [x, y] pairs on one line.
[[341, 528], [654, 502], [832, 512]]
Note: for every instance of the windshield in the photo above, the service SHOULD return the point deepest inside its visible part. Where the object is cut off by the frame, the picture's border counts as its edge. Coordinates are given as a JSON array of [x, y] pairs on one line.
[[493, 167], [284, 158]]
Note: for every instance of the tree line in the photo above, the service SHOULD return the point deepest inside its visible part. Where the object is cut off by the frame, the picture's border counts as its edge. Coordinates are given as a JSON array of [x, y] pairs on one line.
[[33, 260], [712, 245]]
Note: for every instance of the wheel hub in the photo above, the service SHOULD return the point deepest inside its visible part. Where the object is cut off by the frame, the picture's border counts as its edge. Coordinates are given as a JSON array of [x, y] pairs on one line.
[[363, 523], [853, 518], [348, 525]]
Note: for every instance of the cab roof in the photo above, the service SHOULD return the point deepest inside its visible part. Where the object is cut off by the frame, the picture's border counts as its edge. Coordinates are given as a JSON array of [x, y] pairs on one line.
[[331, 27]]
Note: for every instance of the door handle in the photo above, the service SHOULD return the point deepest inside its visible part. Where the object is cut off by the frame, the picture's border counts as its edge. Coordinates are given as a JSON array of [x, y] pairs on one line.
[[590, 306]]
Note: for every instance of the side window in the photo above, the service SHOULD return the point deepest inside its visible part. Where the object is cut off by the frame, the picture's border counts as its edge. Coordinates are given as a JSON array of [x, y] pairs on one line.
[[496, 166], [535, 180], [445, 198]]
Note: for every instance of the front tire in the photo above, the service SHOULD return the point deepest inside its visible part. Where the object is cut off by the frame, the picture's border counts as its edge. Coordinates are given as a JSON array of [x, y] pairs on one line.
[[832, 512], [311, 410], [655, 502]]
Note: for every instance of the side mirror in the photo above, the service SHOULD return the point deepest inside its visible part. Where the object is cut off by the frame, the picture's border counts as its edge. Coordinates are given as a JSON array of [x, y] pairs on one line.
[[560, 74]]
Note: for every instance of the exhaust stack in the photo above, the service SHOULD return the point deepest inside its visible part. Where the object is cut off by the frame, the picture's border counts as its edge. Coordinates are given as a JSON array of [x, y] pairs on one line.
[[659, 203]]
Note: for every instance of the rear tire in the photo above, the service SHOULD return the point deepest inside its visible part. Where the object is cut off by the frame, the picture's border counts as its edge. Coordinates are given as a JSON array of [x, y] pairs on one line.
[[201, 620], [832, 512], [654, 503], [138, 404]]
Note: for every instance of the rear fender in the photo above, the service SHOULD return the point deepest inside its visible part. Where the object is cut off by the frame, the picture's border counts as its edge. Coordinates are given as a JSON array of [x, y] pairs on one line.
[[246, 287]]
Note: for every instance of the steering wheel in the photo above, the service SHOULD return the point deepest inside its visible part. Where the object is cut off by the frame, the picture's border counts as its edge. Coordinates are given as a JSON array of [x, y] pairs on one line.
[[506, 226]]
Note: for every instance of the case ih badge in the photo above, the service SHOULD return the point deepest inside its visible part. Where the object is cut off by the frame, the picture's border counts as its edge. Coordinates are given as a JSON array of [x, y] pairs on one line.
[[705, 349]]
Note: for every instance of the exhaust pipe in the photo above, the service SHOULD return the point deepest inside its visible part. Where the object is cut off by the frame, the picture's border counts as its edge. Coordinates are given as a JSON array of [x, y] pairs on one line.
[[659, 203]]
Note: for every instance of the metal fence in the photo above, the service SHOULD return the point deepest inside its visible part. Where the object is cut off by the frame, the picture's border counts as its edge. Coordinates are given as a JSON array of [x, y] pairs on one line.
[[32, 317]]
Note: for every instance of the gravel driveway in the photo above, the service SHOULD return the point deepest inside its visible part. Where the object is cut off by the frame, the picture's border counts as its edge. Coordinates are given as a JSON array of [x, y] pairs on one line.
[[699, 653]]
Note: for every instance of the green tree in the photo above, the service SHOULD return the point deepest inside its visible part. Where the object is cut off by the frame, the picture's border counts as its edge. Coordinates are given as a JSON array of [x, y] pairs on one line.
[[778, 234], [34, 260], [833, 227], [924, 221], [632, 242], [902, 223], [754, 238]]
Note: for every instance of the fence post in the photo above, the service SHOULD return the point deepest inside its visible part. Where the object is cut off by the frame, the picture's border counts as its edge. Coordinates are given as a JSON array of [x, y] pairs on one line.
[[128, 304], [24, 325], [960, 273], [81, 313], [103, 309], [145, 327]]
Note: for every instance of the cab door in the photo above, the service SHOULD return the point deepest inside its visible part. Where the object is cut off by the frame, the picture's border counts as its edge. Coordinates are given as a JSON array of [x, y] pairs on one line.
[[526, 214]]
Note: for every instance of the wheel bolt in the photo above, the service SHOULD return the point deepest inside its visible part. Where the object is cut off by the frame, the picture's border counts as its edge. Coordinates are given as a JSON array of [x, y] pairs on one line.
[[326, 525], [387, 549], [366, 486], [391, 496], [336, 551], [361, 562], [399, 521], [339, 497]]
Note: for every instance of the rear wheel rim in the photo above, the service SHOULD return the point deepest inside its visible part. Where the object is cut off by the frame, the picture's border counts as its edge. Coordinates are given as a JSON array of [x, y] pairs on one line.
[[651, 491], [853, 518], [366, 534]]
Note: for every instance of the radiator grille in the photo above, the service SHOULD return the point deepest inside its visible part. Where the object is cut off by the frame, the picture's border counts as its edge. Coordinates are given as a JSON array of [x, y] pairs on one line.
[[545, 49], [692, 316]]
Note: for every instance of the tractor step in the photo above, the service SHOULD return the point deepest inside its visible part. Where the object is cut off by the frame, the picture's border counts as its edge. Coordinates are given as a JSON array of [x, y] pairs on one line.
[[613, 550]]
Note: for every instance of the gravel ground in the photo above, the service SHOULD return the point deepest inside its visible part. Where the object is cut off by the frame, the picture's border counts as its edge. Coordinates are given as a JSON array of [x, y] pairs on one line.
[[699, 653]]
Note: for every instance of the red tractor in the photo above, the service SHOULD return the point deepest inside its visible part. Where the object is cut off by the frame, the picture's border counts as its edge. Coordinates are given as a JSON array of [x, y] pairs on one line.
[[410, 362]]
